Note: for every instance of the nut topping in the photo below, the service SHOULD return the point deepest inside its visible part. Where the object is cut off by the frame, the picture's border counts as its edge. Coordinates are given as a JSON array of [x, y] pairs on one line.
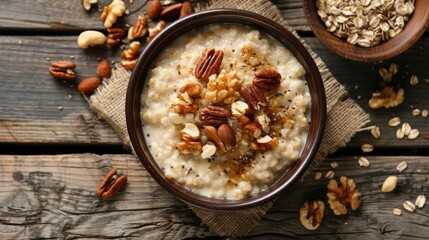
[[209, 64], [103, 69], [193, 89], [214, 115], [311, 214], [266, 78], [172, 12], [189, 139], [266, 144], [208, 150], [111, 184], [227, 135], [63, 70], [253, 96], [186, 9], [139, 27], [213, 135], [90, 38], [154, 9]]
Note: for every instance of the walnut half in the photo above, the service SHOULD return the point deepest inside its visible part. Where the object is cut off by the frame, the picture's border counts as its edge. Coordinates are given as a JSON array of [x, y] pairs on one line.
[[311, 214], [341, 196]]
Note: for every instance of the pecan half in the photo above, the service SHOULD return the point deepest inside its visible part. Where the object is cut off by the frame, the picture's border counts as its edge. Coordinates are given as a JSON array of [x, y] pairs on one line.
[[114, 36], [253, 96], [266, 78], [111, 184], [209, 64], [63, 70], [139, 26], [214, 115]]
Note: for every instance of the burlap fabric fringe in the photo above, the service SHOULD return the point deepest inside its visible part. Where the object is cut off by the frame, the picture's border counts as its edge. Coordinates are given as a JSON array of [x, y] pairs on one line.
[[344, 119]]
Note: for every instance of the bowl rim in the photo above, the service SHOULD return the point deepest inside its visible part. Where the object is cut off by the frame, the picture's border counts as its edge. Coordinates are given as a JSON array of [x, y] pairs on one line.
[[276, 31], [383, 51]]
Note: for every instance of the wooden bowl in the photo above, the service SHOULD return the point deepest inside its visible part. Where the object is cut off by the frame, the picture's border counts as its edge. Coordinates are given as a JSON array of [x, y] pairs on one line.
[[413, 30], [138, 79]]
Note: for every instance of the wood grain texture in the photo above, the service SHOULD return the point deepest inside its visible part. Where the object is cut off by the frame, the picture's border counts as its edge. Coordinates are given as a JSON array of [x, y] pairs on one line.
[[69, 15], [53, 197], [29, 96]]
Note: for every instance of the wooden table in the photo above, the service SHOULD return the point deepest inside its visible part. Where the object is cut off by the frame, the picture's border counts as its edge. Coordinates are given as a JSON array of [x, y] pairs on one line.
[[55, 151]]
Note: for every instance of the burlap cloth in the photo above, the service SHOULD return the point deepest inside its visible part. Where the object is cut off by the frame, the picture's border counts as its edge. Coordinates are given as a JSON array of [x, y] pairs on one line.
[[344, 119]]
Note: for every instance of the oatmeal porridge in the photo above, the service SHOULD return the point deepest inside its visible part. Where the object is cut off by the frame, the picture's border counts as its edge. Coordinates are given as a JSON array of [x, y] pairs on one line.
[[225, 110]]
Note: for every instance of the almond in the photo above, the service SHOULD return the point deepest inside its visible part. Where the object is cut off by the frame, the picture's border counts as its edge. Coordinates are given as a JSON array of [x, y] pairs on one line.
[[186, 9], [88, 85], [172, 12], [154, 9], [213, 135], [103, 69], [227, 135]]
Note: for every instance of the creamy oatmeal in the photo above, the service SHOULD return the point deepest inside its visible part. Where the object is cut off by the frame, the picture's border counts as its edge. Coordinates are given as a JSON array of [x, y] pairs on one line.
[[225, 111]]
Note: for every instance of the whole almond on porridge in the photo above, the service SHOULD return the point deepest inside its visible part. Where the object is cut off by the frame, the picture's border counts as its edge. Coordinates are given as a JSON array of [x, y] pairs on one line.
[[103, 69], [227, 135], [154, 9], [88, 85], [213, 135]]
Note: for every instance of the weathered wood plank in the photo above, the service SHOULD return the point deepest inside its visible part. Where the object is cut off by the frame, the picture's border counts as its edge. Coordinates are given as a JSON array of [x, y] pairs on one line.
[[53, 197], [29, 96], [69, 15]]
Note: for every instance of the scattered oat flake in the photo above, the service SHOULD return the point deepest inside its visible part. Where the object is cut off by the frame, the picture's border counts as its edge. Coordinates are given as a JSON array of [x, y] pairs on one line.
[[48, 59], [334, 164], [414, 133], [399, 134], [389, 184], [366, 148], [60, 108], [409, 206], [425, 113], [20, 42], [415, 112], [69, 96], [402, 166], [375, 132], [397, 211], [393, 68], [363, 162], [406, 128], [394, 122], [317, 175], [420, 201], [71, 57], [330, 174], [414, 80]]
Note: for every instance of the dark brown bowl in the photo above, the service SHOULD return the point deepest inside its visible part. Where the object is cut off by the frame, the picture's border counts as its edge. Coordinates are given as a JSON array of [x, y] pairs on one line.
[[413, 30], [138, 78]]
